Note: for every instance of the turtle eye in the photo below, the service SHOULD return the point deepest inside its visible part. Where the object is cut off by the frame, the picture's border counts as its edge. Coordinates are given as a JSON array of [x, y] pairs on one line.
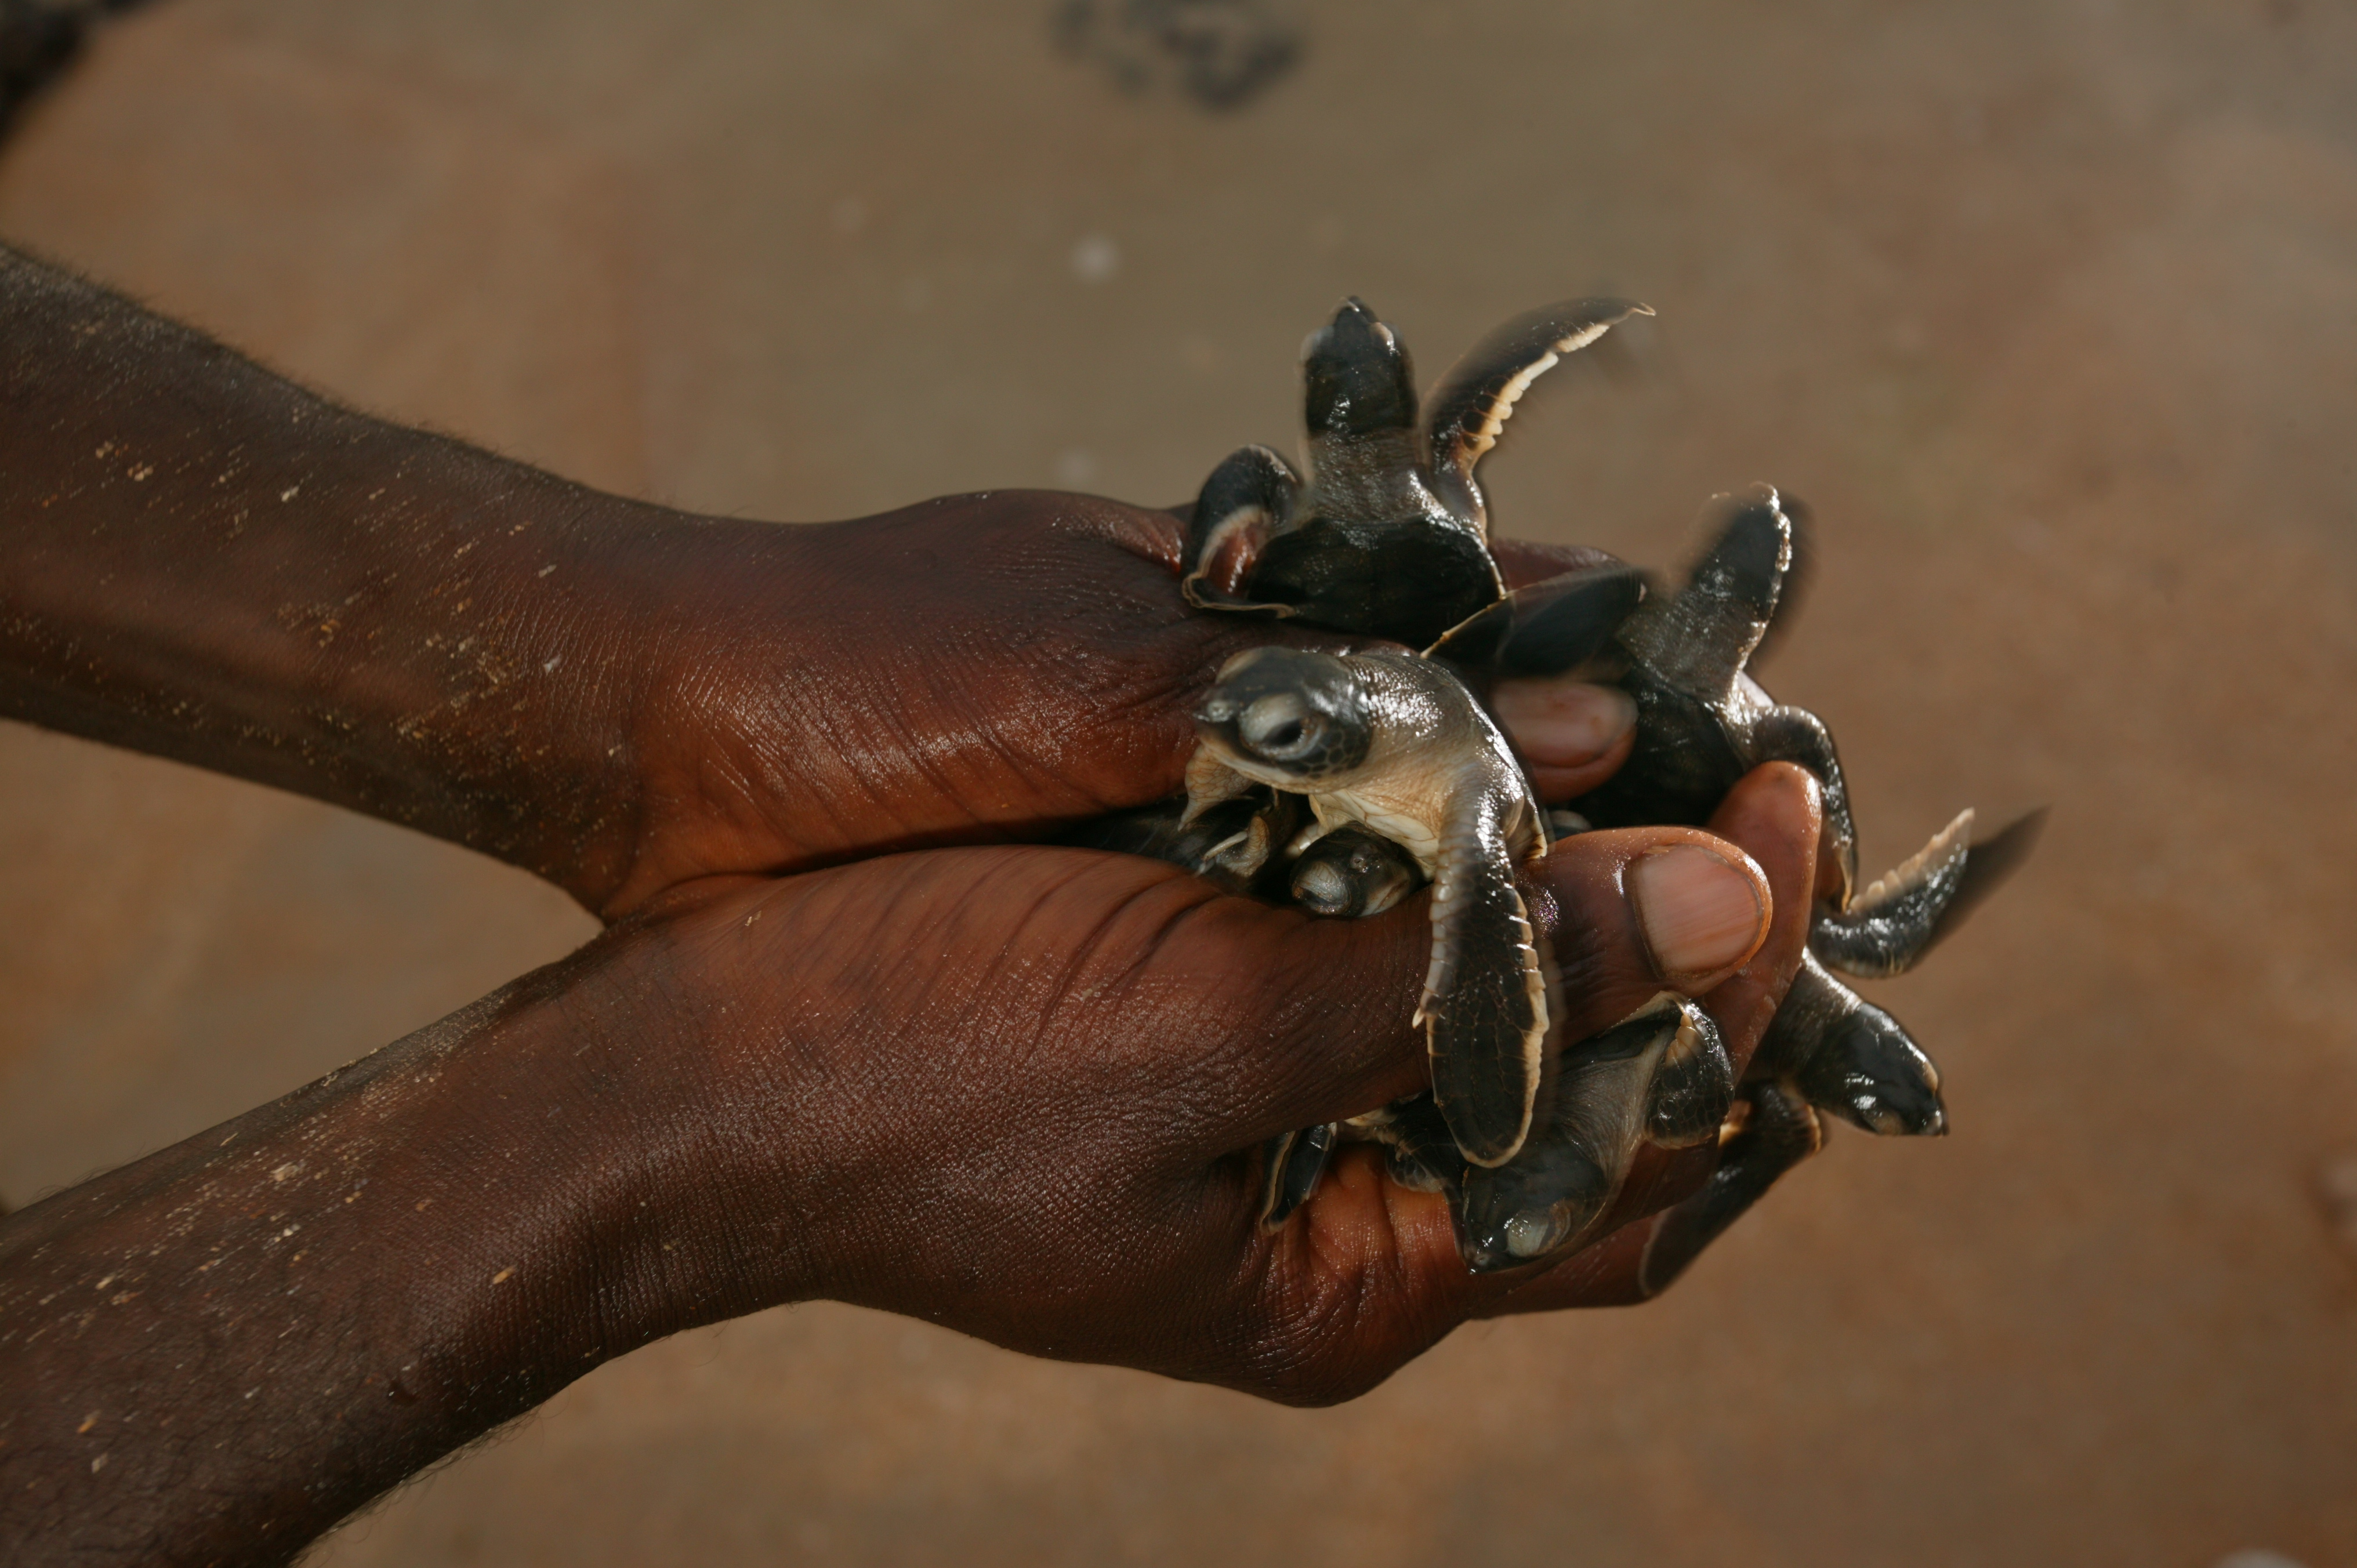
[[1280, 728]]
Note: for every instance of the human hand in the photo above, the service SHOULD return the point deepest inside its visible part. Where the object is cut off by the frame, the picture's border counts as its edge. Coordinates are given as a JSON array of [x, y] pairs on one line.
[[973, 669], [1047, 1139]]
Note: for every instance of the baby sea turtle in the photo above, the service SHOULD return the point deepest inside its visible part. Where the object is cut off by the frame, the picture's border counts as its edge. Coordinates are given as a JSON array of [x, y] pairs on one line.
[[1389, 536], [1660, 1076], [1393, 744], [1702, 723]]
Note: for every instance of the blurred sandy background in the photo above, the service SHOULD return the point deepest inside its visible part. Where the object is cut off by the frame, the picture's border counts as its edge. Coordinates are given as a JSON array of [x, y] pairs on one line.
[[2050, 308]]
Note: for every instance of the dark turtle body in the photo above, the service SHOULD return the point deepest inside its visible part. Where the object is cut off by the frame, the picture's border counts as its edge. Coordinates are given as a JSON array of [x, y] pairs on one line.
[[1342, 782], [1702, 724], [1389, 534]]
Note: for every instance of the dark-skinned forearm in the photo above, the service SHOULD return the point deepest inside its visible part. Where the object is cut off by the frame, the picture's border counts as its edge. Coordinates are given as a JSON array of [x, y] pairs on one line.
[[202, 560], [212, 1355]]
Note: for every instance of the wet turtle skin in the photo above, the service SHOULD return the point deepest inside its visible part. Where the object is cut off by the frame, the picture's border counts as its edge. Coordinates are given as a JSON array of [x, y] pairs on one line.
[[1386, 745], [1387, 536], [1702, 723]]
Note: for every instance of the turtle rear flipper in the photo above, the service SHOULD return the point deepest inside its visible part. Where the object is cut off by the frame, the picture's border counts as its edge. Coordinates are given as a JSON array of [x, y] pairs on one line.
[[1243, 503], [1776, 1132], [1694, 1085], [1548, 628], [1292, 1165], [1551, 1193], [1484, 1010], [1890, 925], [1849, 1056], [1468, 409], [1698, 639], [1418, 1151]]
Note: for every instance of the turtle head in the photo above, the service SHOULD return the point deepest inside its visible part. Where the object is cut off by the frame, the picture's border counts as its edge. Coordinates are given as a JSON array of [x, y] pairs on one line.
[[1353, 873], [1528, 1208], [1356, 376], [1287, 716], [1887, 1085]]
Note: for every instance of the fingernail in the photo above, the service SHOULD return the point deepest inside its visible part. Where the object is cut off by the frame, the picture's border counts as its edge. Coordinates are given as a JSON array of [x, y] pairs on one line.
[[1700, 912], [1563, 724]]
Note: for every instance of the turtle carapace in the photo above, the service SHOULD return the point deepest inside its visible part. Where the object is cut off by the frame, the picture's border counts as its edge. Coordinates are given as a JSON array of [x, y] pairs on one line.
[[1393, 743]]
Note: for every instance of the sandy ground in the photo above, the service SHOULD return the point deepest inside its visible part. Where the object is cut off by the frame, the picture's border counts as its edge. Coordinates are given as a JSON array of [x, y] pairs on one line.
[[2050, 309]]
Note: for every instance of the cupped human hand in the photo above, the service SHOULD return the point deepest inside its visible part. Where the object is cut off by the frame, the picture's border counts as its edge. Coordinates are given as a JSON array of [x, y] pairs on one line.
[[1018, 1091], [974, 668]]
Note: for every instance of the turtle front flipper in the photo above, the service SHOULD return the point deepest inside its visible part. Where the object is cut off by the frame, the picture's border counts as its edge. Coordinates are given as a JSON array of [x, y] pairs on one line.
[[1468, 409], [1551, 1193], [1241, 858], [1772, 1131], [1992, 861], [1890, 925], [1484, 1009], [1698, 640], [1230, 844], [1849, 1056], [1292, 1165], [1693, 1087], [1548, 628], [1246, 500]]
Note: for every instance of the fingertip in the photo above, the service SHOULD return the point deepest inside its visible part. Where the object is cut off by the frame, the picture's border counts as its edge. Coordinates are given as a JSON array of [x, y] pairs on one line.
[[1782, 801], [1621, 929], [1774, 813], [1703, 906], [1573, 733]]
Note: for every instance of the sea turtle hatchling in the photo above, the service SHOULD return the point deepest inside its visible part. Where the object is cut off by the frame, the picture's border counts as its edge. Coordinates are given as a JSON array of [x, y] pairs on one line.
[[1389, 536], [1660, 1076], [1392, 743], [1702, 723]]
